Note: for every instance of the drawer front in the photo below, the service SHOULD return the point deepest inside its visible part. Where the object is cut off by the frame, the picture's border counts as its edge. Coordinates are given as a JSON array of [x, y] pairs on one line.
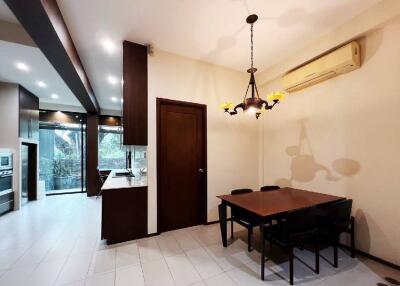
[[6, 207], [7, 197]]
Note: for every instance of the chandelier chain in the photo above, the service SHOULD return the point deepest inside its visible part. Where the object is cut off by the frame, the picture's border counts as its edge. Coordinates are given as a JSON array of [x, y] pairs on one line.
[[251, 30]]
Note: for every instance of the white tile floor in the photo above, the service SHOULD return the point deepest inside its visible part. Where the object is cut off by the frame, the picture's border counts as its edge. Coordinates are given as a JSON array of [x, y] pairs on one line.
[[56, 241]]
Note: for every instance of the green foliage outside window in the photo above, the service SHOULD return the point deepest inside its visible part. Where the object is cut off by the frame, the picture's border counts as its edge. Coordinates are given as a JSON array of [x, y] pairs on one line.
[[111, 155]]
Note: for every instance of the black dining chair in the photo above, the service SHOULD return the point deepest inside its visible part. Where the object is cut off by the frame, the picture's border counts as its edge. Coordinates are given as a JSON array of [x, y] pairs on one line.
[[279, 218], [243, 218], [335, 219], [101, 181], [300, 227], [269, 188]]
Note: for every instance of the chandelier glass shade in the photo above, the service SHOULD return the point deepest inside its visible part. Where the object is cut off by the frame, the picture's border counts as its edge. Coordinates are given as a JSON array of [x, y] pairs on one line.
[[253, 103]]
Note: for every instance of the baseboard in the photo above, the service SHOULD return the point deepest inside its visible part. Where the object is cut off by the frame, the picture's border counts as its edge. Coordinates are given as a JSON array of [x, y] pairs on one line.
[[372, 257], [67, 193], [152, 234], [215, 221], [212, 222]]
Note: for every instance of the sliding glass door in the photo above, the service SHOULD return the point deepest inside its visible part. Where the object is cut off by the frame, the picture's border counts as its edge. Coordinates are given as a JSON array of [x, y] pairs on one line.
[[62, 153]]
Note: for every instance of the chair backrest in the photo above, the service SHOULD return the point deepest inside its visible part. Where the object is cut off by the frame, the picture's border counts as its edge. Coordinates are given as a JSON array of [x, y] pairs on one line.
[[100, 176], [302, 220], [241, 191], [269, 188], [340, 211]]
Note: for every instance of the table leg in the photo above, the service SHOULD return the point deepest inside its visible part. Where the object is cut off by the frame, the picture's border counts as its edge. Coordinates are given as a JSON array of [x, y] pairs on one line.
[[222, 223], [262, 251]]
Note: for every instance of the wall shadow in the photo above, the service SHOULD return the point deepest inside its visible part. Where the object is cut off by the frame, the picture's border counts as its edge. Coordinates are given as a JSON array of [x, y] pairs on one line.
[[362, 230], [304, 166]]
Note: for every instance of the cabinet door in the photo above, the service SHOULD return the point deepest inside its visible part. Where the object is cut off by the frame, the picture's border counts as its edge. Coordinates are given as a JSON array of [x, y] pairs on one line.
[[124, 214], [134, 94], [28, 115]]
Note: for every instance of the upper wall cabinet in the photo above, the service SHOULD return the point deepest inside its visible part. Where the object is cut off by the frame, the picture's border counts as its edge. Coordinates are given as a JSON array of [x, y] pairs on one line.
[[134, 94], [28, 115]]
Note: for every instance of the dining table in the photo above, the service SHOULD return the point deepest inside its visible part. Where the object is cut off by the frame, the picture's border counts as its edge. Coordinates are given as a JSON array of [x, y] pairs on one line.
[[264, 206]]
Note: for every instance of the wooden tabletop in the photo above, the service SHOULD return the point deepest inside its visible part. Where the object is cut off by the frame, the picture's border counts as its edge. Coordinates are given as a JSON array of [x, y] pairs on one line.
[[274, 202]]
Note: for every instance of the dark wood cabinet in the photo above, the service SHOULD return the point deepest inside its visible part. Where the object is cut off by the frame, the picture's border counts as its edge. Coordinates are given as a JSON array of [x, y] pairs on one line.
[[134, 94], [28, 115], [124, 214]]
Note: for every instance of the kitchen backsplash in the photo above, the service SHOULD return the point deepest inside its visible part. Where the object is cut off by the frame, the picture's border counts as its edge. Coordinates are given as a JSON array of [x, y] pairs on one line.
[[139, 160]]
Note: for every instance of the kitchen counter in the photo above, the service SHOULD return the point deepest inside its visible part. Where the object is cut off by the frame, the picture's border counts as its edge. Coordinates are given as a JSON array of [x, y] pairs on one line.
[[113, 182], [124, 208]]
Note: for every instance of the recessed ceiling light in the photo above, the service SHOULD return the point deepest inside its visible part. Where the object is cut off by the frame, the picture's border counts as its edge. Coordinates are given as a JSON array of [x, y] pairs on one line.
[[112, 80], [41, 84], [108, 45], [22, 66], [54, 96], [113, 99]]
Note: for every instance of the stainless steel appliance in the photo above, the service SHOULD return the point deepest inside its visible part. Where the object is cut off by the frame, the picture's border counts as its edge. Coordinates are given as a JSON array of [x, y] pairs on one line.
[[6, 182], [6, 161], [6, 191]]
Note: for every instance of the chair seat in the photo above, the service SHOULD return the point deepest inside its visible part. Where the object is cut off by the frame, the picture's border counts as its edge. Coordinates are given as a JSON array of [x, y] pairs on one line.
[[277, 233], [326, 226]]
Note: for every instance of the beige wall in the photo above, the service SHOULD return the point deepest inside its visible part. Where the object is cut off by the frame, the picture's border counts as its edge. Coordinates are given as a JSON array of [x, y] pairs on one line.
[[343, 137], [232, 142], [9, 136], [9, 132]]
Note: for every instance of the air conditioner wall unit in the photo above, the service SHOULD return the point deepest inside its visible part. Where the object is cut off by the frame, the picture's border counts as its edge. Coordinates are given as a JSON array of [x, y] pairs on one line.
[[339, 61]]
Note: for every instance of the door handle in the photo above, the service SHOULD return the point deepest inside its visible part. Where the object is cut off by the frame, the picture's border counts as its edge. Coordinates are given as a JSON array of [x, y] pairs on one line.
[[200, 171]]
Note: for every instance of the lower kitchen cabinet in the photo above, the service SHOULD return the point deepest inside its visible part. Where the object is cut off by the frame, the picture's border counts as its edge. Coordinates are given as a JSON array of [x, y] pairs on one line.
[[124, 214]]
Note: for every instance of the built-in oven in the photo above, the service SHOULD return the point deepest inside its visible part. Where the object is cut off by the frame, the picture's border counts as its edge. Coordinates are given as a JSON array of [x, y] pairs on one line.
[[6, 161], [6, 182]]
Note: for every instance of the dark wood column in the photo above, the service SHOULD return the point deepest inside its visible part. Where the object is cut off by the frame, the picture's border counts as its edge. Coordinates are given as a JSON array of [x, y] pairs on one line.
[[92, 135]]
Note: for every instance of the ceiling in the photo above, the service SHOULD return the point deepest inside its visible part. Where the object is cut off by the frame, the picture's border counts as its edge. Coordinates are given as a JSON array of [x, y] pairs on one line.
[[210, 30], [40, 70], [6, 14]]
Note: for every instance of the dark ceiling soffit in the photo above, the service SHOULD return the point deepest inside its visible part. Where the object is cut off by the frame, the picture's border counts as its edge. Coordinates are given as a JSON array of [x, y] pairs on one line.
[[43, 21]]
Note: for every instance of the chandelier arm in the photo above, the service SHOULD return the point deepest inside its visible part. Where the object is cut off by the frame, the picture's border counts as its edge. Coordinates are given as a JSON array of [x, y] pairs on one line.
[[245, 95], [265, 103], [257, 90], [240, 105], [275, 102]]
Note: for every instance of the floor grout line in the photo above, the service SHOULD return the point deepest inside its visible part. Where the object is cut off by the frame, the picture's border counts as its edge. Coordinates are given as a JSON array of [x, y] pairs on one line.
[[63, 220]]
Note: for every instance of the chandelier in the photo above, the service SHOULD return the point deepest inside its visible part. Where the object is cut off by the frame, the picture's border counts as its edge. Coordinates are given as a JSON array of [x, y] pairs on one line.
[[253, 104]]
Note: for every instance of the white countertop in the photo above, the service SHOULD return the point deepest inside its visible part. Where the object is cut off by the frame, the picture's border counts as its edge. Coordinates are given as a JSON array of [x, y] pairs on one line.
[[113, 182]]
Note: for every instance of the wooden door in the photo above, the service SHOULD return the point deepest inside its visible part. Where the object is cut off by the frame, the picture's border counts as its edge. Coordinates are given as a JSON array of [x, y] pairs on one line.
[[181, 160]]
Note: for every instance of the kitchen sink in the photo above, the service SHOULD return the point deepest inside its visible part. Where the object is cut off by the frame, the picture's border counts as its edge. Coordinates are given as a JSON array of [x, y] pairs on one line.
[[123, 174]]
